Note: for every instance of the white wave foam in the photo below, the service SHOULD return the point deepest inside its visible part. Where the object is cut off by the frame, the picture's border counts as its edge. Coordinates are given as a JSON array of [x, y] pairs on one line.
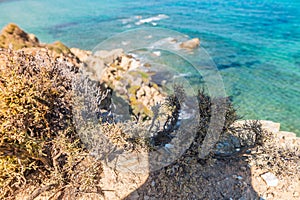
[[169, 41], [182, 75], [131, 19], [124, 43], [151, 19]]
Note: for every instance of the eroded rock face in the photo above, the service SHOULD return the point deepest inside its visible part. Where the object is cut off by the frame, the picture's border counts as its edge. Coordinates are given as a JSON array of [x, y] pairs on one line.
[[134, 85], [124, 75], [83, 55], [109, 56], [17, 38], [190, 44], [59, 48]]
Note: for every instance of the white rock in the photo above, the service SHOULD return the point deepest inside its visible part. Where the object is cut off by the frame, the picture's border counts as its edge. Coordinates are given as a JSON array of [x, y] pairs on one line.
[[147, 90], [169, 146], [81, 54], [134, 64], [270, 179], [125, 62], [152, 183], [237, 177], [157, 53]]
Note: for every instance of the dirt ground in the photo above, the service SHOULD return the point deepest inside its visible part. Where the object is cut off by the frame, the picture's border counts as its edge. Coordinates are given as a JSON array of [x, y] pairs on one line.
[[231, 178], [235, 177]]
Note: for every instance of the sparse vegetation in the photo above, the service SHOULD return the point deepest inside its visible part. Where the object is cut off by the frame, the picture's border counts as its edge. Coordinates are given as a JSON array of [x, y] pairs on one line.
[[57, 126], [37, 138]]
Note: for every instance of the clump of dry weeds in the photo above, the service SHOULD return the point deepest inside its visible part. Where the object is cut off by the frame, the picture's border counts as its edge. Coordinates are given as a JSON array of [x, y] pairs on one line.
[[38, 144]]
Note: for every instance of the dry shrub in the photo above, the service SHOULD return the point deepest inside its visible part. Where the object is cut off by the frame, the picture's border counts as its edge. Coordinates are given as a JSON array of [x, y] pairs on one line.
[[269, 154], [38, 144], [222, 105]]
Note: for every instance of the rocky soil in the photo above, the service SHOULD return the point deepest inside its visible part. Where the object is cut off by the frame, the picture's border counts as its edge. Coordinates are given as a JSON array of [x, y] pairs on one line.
[[234, 177]]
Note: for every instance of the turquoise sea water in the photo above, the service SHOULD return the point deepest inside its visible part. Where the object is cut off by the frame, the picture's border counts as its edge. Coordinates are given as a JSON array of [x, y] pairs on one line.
[[254, 43]]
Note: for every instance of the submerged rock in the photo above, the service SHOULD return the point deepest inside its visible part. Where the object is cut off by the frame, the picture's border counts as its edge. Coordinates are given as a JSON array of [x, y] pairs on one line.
[[190, 44]]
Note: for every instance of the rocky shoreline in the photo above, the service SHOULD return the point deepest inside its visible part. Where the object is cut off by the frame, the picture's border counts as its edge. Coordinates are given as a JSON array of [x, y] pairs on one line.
[[246, 176]]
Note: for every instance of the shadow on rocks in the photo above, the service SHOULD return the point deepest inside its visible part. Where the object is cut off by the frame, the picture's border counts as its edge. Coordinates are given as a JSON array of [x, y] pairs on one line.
[[188, 178]]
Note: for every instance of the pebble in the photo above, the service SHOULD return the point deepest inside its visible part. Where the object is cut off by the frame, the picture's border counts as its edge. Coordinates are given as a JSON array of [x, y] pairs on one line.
[[248, 151], [134, 195], [270, 179], [270, 196], [243, 168], [169, 146], [237, 177], [153, 183]]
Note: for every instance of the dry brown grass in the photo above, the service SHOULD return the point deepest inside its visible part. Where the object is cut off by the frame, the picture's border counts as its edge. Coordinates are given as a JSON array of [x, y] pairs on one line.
[[38, 144]]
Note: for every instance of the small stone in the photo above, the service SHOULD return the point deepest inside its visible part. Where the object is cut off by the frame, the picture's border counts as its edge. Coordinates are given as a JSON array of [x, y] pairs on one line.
[[235, 141], [243, 168], [153, 183], [146, 197], [169, 146], [270, 179], [296, 194], [248, 151], [134, 195], [237, 177]]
